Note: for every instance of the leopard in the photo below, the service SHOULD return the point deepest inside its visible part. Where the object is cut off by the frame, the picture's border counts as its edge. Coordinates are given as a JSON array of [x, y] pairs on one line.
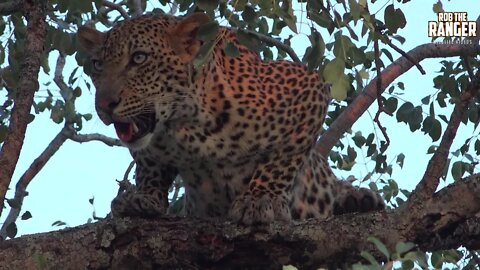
[[239, 130]]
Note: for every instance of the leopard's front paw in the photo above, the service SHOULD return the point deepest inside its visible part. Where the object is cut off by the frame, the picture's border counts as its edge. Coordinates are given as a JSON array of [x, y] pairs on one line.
[[358, 200], [251, 208], [130, 203]]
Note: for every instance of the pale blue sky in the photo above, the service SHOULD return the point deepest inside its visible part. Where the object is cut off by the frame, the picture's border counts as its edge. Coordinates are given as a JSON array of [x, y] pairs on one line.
[[79, 172]]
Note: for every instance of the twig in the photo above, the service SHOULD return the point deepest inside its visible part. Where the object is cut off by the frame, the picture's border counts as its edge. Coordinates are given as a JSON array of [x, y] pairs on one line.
[[137, 6], [275, 42], [437, 163], [125, 184], [129, 169], [58, 77], [381, 108], [116, 7], [355, 110], [468, 67], [36, 166], [404, 54], [173, 8], [81, 138], [35, 12]]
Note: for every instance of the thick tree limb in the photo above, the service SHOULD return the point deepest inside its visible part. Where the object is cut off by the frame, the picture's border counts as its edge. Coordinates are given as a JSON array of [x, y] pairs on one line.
[[196, 244], [35, 12], [361, 103]]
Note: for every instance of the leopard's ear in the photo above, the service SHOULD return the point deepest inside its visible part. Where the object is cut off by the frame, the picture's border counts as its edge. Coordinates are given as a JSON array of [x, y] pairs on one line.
[[183, 38], [90, 39]]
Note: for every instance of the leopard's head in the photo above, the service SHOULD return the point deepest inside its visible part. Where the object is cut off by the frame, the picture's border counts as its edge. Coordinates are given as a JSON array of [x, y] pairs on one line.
[[140, 69]]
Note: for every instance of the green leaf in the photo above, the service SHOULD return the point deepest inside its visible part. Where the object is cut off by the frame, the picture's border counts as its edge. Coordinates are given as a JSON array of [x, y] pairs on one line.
[[400, 159], [352, 155], [3, 133], [369, 257], [477, 146], [59, 223], [402, 247], [333, 70], [323, 19], [56, 115], [207, 5], [394, 18], [30, 118], [354, 9], [231, 50], [26, 215], [208, 32], [249, 40], [203, 54], [433, 127], [403, 113], [285, 12], [426, 100], [342, 46], [391, 104], [436, 260], [87, 116], [12, 230], [77, 92], [380, 246], [436, 130], [314, 54], [457, 170], [415, 119], [249, 15], [388, 54], [438, 7], [358, 139], [340, 88]]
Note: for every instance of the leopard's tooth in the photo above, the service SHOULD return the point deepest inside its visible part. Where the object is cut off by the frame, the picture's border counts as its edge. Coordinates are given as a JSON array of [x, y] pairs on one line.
[[135, 128]]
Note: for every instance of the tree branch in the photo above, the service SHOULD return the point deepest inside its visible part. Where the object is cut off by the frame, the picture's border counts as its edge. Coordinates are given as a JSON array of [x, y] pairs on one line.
[[175, 242], [29, 174], [116, 7], [437, 163], [81, 138], [275, 42], [137, 8], [35, 12], [361, 103]]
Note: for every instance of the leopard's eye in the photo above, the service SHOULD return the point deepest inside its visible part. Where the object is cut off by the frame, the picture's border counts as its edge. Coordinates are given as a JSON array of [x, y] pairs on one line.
[[97, 65], [139, 57]]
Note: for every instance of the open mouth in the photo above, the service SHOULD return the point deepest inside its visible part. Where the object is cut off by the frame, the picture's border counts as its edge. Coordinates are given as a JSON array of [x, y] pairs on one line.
[[137, 128]]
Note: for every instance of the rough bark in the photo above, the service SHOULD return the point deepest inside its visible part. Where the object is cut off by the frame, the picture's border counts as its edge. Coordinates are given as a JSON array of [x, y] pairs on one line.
[[34, 12], [447, 220]]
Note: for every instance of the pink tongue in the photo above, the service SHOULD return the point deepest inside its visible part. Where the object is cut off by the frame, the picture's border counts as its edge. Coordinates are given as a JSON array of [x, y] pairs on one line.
[[124, 131]]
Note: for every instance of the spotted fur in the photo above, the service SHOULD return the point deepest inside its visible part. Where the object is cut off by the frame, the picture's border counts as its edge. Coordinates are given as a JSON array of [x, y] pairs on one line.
[[239, 131]]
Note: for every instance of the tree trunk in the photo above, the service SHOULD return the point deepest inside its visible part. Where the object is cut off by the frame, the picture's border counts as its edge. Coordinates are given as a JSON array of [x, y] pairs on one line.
[[447, 220]]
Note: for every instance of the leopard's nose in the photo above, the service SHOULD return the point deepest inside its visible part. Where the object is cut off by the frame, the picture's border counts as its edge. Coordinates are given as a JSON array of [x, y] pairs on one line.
[[107, 105]]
